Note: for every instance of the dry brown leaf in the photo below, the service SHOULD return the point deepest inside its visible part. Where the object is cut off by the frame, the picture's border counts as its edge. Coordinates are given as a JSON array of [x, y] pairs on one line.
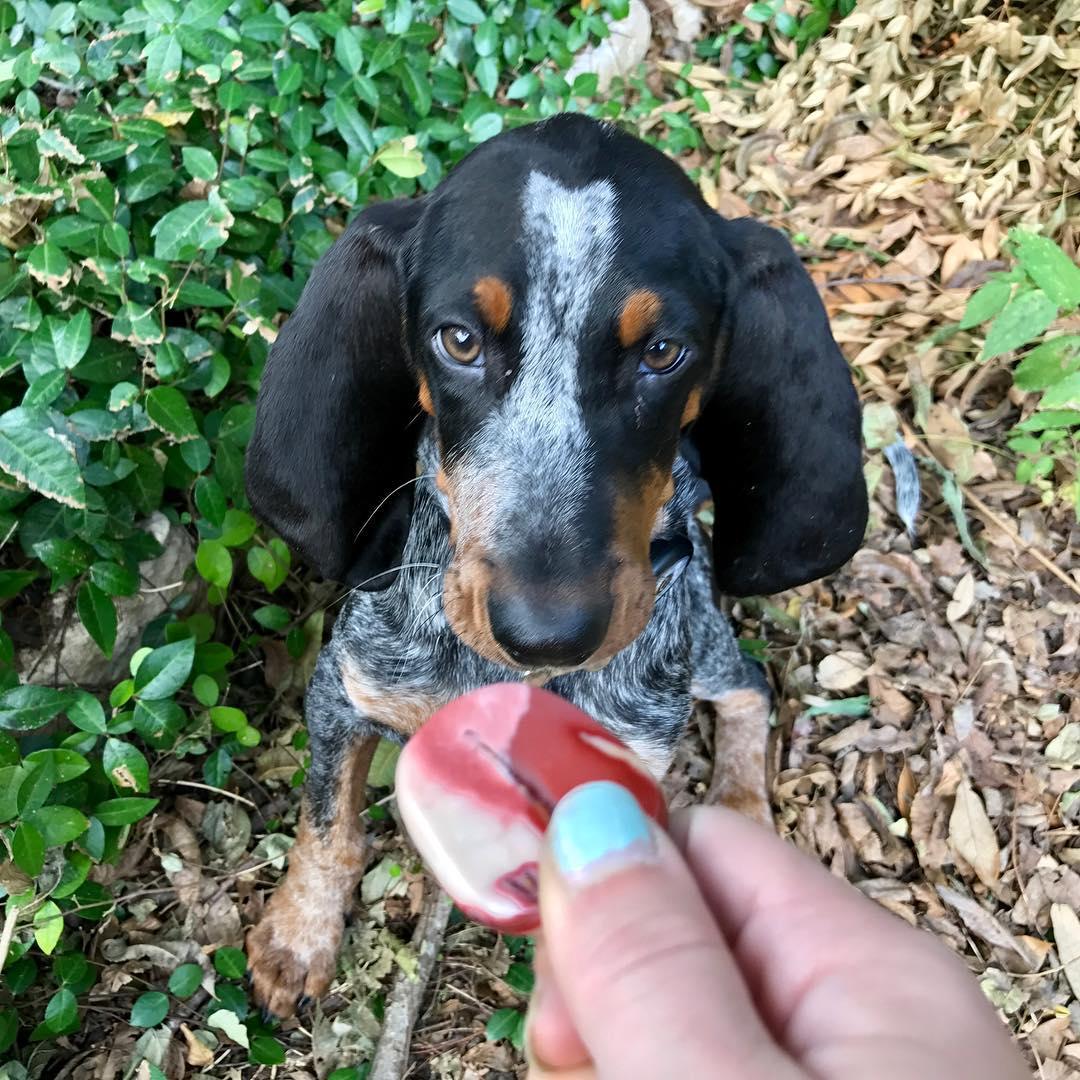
[[972, 836], [905, 790], [198, 1053], [843, 670], [962, 600], [1067, 937]]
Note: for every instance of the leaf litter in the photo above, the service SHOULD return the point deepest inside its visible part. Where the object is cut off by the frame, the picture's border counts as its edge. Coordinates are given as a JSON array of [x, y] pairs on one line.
[[928, 735]]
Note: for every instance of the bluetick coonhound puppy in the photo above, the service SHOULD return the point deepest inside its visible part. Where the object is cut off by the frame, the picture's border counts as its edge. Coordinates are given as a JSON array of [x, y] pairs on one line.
[[494, 413]]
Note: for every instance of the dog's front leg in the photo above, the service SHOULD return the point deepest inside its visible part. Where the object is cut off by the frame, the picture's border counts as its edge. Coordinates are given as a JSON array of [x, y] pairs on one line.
[[292, 952]]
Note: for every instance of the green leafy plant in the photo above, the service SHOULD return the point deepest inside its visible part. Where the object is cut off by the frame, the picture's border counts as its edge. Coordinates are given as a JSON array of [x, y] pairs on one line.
[[1017, 307], [755, 57], [169, 174]]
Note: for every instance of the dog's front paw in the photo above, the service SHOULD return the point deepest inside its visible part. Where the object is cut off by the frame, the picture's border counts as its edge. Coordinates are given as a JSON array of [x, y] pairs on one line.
[[292, 952]]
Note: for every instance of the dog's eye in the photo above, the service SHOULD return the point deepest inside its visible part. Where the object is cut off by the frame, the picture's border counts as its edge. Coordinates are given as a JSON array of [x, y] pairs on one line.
[[458, 344], [663, 355]]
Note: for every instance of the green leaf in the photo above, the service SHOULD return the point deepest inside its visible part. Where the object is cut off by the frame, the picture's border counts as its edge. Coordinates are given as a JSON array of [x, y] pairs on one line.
[[58, 824], [1064, 393], [272, 616], [266, 1050], [226, 718], [41, 462], [62, 1010], [384, 764], [149, 1009], [214, 563], [48, 926], [123, 811], [24, 708], [168, 410], [28, 849], [205, 689], [401, 160], [352, 127], [66, 764], [1048, 363], [125, 766], [986, 302], [9, 1028], [347, 50], [49, 265], [230, 963], [86, 713], [466, 11], [1024, 319], [524, 86], [520, 977], [114, 579], [12, 582], [200, 163], [185, 980], [502, 1024], [227, 1021], [1048, 266], [71, 338], [165, 670], [188, 229], [237, 527], [98, 615], [46, 389]]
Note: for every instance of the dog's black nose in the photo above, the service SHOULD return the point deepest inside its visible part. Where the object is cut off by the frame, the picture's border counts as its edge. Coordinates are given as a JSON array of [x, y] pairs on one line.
[[548, 633]]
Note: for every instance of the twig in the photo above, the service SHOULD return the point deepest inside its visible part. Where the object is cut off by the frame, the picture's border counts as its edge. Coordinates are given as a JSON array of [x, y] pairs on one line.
[[8, 933], [210, 787], [403, 1005]]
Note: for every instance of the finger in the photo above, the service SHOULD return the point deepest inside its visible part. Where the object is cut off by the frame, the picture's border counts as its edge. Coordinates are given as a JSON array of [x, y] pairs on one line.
[[649, 983], [551, 1038], [825, 964]]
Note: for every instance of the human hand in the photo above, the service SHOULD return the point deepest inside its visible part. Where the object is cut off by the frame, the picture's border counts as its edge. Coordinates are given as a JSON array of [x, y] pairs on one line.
[[720, 951]]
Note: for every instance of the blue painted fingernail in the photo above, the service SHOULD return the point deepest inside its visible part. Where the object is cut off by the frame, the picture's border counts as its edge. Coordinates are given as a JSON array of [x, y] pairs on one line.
[[597, 828]]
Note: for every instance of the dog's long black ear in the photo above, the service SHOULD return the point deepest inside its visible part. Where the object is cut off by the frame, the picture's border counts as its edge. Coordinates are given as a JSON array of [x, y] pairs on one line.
[[336, 425], [779, 437]]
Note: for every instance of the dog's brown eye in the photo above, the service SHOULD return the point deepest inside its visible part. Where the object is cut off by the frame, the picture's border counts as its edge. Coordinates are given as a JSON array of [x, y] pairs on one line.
[[459, 344], [663, 355]]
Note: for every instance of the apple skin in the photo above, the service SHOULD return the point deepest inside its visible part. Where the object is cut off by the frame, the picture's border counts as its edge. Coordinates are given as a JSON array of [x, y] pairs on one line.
[[477, 784]]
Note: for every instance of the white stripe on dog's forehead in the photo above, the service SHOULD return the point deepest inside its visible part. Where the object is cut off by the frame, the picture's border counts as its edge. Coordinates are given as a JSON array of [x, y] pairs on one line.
[[535, 449]]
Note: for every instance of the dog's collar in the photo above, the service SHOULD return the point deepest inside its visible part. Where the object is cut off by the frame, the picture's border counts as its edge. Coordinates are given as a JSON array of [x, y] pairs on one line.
[[669, 555]]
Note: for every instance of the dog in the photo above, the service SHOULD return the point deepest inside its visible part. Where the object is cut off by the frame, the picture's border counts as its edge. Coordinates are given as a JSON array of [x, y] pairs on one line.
[[494, 415]]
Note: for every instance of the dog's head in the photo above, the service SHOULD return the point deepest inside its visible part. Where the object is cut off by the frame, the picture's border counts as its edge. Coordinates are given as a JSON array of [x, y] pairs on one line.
[[565, 306]]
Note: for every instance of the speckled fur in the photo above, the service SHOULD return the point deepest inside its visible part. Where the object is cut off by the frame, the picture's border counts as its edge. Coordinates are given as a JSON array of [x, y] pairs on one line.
[[399, 641]]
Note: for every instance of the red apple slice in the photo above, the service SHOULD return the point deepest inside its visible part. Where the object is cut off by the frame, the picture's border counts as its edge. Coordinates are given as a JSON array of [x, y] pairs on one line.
[[477, 784]]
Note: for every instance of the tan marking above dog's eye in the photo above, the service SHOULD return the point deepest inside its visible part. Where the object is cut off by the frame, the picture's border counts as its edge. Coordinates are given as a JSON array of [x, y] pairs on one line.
[[460, 345], [663, 355]]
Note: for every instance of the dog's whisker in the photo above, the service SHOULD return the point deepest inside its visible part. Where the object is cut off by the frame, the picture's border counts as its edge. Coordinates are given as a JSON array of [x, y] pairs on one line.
[[393, 570], [387, 497]]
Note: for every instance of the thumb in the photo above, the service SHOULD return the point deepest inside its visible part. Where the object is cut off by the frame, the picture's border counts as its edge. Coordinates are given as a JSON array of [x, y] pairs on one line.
[[641, 967]]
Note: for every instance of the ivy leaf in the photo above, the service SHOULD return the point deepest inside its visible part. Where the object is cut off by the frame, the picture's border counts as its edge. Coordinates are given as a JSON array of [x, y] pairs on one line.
[[48, 926], [71, 338], [230, 963], [28, 849], [188, 229], [165, 670], [149, 1009], [185, 980], [401, 159], [123, 811], [62, 1010], [98, 615], [227, 1021], [39, 461], [125, 766], [167, 409], [466, 11], [503, 1024], [24, 708], [58, 824], [266, 1050], [214, 563]]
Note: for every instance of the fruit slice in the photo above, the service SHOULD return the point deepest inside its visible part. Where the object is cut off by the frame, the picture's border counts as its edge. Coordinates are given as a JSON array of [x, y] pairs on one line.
[[477, 784]]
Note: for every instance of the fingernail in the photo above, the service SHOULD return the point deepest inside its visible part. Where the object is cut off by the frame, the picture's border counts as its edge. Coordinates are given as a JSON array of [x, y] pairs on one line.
[[598, 828]]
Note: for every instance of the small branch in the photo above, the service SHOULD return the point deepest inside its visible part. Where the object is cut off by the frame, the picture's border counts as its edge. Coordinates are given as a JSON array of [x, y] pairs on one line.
[[391, 1059], [7, 934], [209, 787]]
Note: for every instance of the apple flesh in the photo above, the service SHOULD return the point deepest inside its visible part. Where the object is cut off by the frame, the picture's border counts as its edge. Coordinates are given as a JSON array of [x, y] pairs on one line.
[[477, 784]]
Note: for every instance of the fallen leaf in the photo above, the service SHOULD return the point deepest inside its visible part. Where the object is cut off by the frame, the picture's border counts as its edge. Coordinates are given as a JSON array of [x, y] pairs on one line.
[[1063, 751], [962, 599], [227, 1021], [842, 670], [1067, 937], [198, 1053], [972, 836]]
